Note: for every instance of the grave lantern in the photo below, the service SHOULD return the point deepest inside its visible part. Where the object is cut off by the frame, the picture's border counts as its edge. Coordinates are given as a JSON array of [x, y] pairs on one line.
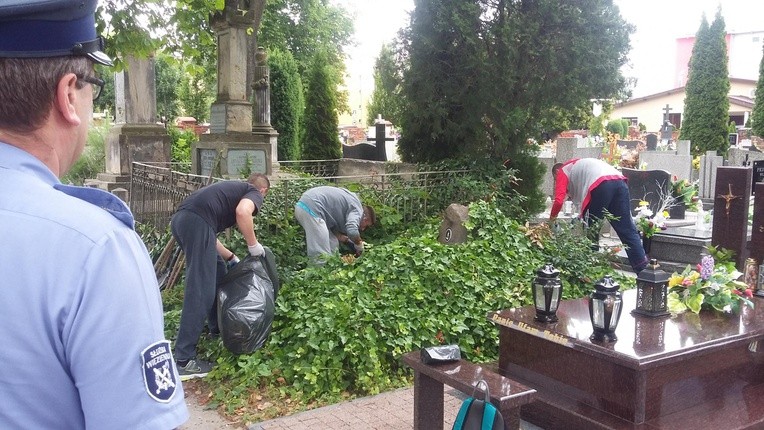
[[605, 306], [652, 291], [547, 290], [760, 283]]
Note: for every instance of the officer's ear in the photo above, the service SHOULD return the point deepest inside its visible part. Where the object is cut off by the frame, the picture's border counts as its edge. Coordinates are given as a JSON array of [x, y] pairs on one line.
[[67, 97]]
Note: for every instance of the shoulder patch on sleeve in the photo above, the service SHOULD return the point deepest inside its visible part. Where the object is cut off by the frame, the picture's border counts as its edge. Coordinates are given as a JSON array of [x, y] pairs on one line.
[[159, 374]]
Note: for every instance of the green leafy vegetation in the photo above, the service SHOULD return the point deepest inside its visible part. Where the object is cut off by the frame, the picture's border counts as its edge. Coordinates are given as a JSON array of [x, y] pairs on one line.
[[756, 120], [93, 159], [340, 329]]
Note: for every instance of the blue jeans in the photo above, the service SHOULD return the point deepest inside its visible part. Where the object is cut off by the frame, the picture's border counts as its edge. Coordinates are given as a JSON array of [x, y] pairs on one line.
[[614, 196]]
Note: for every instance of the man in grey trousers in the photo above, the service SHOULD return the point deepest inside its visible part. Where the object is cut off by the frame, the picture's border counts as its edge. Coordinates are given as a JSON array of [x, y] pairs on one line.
[[330, 215]]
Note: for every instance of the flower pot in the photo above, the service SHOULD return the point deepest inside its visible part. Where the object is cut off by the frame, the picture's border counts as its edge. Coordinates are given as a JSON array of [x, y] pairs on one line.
[[677, 211]]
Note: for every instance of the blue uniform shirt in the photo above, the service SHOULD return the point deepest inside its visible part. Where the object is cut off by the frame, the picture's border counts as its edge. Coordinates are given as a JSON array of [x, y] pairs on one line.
[[82, 325]]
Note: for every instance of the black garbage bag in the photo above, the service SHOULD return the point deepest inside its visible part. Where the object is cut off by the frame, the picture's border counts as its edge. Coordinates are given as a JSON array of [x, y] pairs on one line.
[[245, 306]]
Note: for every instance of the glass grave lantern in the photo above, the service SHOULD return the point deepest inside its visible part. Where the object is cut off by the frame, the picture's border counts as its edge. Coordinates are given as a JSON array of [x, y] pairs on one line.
[[759, 291], [547, 290], [605, 305], [652, 291]]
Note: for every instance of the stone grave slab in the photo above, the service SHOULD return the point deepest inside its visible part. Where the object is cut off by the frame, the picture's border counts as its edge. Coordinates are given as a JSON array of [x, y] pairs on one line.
[[361, 151], [731, 200], [634, 383]]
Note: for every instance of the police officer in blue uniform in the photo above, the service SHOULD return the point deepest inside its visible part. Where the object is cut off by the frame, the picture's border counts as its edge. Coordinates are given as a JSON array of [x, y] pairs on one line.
[[83, 342]]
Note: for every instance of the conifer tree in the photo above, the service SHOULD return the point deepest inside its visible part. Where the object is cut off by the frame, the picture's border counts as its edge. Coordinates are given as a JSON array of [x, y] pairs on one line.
[[320, 136], [757, 116], [706, 103], [287, 103], [386, 100]]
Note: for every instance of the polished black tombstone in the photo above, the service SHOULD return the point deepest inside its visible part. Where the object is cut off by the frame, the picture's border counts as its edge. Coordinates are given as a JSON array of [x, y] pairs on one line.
[[648, 185], [685, 372]]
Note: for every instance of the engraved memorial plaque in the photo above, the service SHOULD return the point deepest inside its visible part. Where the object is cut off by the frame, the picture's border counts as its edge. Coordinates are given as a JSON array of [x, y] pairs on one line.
[[217, 119], [206, 160], [237, 161]]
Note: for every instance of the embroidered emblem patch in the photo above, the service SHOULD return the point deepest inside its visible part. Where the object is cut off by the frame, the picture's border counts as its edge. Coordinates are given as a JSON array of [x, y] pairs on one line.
[[158, 372]]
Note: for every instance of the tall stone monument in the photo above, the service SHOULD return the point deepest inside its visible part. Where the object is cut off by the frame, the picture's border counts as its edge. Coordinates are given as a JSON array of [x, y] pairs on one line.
[[234, 146], [136, 136]]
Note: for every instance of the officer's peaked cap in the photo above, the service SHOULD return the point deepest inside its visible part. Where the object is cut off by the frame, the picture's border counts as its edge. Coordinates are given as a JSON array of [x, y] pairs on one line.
[[50, 28]]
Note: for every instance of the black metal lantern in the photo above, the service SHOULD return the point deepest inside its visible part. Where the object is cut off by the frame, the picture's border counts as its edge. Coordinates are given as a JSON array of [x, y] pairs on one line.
[[547, 290], [605, 305], [652, 291], [759, 292]]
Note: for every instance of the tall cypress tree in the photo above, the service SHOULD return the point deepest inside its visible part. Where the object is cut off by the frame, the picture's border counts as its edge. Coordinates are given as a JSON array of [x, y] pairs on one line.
[[706, 103], [287, 103], [757, 116], [320, 137], [386, 98], [442, 84]]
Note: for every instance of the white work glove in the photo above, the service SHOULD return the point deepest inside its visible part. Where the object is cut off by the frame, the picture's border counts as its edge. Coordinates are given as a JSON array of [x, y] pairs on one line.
[[232, 262], [256, 250]]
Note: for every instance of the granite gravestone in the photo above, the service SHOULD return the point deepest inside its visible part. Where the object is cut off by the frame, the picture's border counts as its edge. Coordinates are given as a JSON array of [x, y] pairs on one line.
[[651, 186], [652, 142], [707, 176], [730, 221], [758, 173], [360, 151], [756, 245]]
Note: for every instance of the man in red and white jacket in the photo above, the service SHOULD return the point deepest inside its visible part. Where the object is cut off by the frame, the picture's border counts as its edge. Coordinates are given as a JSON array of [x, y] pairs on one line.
[[595, 186]]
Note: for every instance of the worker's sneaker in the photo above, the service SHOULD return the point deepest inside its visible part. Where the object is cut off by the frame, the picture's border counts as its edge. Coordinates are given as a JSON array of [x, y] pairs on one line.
[[193, 369]]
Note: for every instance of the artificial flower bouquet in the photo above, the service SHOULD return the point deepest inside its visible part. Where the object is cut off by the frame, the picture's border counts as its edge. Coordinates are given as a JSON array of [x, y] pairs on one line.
[[683, 190], [711, 285], [647, 223]]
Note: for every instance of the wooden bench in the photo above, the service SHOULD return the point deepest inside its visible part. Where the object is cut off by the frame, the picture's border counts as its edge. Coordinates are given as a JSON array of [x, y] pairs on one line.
[[506, 394]]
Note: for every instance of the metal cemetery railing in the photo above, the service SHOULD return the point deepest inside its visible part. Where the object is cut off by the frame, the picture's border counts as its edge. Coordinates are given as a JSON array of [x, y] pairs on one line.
[[156, 189]]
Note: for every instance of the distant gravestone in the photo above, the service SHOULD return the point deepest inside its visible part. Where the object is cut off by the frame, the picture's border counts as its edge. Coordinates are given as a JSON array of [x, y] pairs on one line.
[[730, 221], [629, 144], [648, 185], [709, 163], [758, 173], [452, 229], [756, 245], [360, 151], [683, 147], [733, 138], [651, 142]]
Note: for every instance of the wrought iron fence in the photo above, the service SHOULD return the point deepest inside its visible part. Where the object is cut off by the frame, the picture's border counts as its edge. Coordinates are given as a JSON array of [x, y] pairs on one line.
[[157, 189]]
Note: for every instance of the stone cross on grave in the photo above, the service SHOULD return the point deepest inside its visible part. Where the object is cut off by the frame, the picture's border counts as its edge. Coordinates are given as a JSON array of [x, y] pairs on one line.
[[379, 141], [666, 111]]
